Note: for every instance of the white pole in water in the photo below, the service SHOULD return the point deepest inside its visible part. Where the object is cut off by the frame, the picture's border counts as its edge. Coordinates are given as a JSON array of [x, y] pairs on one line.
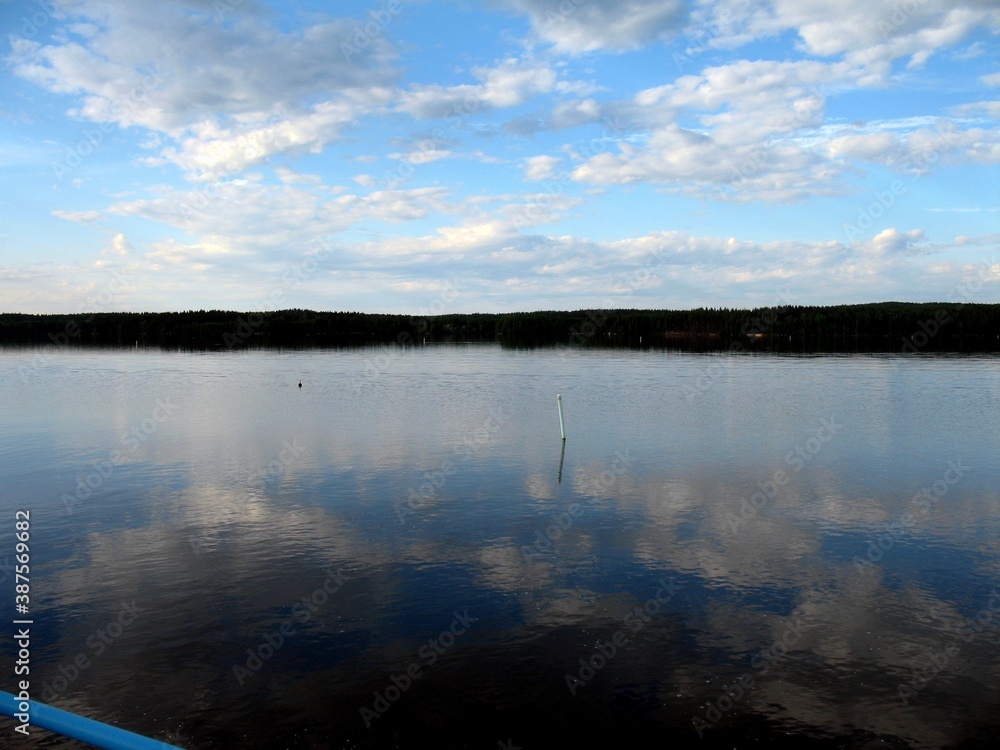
[[562, 427]]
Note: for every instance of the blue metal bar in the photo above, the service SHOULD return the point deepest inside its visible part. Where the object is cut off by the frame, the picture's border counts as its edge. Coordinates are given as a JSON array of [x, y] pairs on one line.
[[80, 728]]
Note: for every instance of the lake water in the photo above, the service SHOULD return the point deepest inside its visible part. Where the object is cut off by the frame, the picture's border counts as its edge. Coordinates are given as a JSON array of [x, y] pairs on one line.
[[728, 551]]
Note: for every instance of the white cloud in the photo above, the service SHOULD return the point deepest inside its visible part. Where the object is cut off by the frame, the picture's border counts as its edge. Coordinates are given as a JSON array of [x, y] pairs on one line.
[[119, 246], [423, 156], [79, 216], [914, 145], [195, 257], [757, 132], [702, 165], [990, 109], [891, 240], [492, 256], [867, 33], [231, 94], [267, 221], [867, 146], [651, 270], [290, 177], [745, 139], [235, 104], [190, 68], [577, 26], [508, 84], [540, 167], [569, 114], [212, 152], [397, 206], [969, 53]]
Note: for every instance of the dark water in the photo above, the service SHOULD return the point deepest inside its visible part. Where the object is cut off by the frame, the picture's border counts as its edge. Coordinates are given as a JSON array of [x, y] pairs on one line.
[[741, 551]]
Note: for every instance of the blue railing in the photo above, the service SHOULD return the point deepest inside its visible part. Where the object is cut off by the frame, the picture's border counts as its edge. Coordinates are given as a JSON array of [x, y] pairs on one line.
[[80, 728]]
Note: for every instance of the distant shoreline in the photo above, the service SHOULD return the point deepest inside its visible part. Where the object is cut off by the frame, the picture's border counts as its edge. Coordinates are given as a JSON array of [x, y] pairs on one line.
[[875, 327]]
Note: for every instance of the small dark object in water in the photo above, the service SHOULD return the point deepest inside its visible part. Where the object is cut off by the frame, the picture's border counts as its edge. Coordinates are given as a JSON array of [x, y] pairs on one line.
[[300, 384]]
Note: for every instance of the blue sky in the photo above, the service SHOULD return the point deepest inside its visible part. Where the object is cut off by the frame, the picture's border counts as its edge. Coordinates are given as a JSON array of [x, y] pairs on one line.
[[422, 156]]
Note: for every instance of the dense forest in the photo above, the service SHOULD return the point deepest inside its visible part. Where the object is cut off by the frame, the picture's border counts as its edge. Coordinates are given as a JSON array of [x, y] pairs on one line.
[[885, 326]]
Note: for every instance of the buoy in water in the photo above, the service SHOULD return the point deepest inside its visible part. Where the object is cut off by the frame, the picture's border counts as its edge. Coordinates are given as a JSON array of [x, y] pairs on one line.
[[300, 384]]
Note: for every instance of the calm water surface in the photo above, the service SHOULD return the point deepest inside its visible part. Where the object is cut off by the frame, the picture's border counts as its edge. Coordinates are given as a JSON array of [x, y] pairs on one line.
[[728, 551]]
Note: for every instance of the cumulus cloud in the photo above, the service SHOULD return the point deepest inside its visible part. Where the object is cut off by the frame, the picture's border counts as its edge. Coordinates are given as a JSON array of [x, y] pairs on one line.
[[212, 152], [891, 240], [867, 33], [705, 166], [247, 216], [168, 65], [234, 102], [246, 236], [651, 270], [917, 150], [508, 84], [119, 246], [231, 94], [756, 130], [570, 114], [577, 26], [540, 167], [744, 140]]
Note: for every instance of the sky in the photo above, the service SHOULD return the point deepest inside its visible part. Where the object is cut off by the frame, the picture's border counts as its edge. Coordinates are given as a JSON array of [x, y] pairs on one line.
[[427, 157]]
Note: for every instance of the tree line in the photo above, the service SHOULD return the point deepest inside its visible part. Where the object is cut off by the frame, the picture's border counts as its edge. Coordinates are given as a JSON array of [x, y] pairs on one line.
[[884, 326]]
